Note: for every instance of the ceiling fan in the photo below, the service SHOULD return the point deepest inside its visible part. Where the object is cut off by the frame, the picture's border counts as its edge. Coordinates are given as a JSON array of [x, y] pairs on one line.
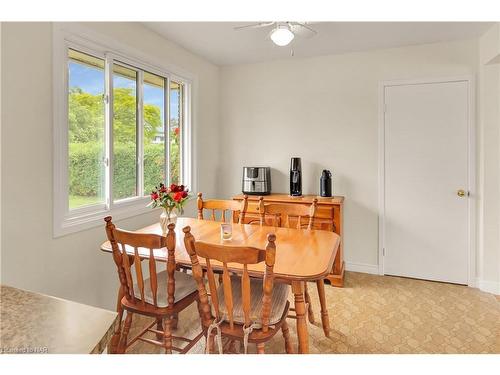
[[283, 33]]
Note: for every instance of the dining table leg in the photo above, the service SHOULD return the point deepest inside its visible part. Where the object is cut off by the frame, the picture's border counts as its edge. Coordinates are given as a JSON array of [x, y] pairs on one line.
[[325, 320], [300, 310]]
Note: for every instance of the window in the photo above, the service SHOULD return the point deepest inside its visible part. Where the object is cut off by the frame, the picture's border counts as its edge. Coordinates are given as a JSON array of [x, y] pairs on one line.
[[86, 145], [154, 131], [176, 118], [121, 130], [125, 155]]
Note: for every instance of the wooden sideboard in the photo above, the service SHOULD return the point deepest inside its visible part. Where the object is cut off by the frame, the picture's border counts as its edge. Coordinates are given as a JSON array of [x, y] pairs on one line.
[[325, 206]]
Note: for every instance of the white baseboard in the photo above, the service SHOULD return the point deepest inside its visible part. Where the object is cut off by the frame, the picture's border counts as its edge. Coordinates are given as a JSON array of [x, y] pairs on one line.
[[492, 287], [361, 267]]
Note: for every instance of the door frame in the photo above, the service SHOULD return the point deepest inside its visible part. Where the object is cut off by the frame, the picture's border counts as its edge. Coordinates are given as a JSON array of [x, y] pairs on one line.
[[471, 168]]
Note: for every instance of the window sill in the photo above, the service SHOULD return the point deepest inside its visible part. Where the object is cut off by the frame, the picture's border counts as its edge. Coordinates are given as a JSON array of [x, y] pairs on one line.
[[84, 221]]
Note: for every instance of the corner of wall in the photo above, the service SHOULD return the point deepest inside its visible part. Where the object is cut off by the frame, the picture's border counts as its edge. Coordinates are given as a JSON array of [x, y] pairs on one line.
[[489, 45], [488, 205], [492, 287]]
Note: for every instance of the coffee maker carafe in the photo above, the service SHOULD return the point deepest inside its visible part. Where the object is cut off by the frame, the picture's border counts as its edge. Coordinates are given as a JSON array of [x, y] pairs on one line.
[[295, 178]]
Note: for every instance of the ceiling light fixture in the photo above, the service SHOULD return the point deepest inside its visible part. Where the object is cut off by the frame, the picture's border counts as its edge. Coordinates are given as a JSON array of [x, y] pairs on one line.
[[282, 35]]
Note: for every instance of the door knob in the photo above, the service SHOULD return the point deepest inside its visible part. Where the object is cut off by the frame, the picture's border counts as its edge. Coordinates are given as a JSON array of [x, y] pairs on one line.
[[461, 193]]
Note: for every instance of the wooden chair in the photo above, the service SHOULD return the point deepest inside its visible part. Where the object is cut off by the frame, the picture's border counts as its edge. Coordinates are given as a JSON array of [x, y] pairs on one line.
[[161, 296], [241, 309], [282, 213], [222, 206]]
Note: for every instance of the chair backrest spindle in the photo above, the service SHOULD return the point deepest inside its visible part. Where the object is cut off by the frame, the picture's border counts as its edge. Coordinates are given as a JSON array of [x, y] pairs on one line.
[[126, 265], [138, 273], [228, 293], [153, 278], [213, 289]]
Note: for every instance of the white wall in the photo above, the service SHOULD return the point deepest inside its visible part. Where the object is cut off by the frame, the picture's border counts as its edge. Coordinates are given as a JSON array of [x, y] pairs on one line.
[[489, 162], [72, 266], [325, 110], [0, 150]]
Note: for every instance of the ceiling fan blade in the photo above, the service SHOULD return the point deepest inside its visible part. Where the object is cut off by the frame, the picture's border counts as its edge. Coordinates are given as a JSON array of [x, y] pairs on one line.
[[302, 29], [254, 26]]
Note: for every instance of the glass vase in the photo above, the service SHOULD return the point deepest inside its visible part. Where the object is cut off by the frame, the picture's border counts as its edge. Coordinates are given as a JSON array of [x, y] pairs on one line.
[[167, 217]]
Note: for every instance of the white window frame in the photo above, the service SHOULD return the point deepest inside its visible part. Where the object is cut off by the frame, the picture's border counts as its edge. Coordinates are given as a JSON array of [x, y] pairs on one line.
[[67, 36]]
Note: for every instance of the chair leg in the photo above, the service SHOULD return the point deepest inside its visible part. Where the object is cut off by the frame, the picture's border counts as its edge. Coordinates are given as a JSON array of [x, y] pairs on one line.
[[167, 337], [300, 310], [115, 339], [200, 310], [260, 348], [231, 347], [325, 321], [211, 343], [307, 297], [159, 327], [122, 346], [175, 320], [286, 336]]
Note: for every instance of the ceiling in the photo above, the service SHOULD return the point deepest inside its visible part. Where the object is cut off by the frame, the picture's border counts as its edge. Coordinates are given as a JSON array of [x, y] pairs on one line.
[[219, 43]]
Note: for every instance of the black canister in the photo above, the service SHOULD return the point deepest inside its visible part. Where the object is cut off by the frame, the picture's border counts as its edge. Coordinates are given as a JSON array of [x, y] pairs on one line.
[[325, 184], [295, 177]]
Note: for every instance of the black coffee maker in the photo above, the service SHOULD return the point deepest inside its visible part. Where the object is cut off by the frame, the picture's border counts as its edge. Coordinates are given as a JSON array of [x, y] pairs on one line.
[[295, 178]]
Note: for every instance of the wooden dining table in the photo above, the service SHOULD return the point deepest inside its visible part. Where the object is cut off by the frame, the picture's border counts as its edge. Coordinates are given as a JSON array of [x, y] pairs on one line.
[[301, 255]]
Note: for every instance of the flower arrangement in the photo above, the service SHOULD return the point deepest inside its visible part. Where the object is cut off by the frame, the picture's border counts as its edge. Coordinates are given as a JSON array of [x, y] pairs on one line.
[[170, 199]]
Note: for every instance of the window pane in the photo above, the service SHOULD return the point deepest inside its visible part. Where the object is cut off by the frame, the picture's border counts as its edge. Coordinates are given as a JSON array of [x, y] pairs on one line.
[[124, 132], [86, 145], [176, 120], [154, 135]]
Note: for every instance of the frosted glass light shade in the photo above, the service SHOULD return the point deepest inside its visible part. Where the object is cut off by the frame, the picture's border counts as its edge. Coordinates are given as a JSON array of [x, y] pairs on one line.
[[281, 36]]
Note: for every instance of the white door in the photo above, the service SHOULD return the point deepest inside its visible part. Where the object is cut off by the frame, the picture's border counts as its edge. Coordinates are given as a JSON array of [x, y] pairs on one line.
[[426, 166]]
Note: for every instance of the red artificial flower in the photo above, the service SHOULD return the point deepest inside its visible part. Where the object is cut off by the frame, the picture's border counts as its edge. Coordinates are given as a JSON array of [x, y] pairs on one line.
[[181, 188], [178, 197], [154, 196], [163, 189], [174, 188], [184, 194]]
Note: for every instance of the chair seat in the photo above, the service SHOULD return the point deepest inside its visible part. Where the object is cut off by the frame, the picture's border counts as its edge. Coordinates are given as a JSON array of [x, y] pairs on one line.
[[278, 301], [184, 286]]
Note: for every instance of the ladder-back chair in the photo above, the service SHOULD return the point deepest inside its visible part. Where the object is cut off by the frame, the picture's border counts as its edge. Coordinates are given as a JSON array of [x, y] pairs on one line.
[[241, 309], [221, 207], [282, 213], [162, 295]]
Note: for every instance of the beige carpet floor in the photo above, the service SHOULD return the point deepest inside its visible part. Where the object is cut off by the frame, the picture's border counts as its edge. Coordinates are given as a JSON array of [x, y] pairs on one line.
[[383, 314]]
